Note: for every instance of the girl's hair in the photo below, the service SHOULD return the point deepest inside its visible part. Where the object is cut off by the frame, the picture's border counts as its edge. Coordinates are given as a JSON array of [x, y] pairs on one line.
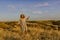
[[22, 16]]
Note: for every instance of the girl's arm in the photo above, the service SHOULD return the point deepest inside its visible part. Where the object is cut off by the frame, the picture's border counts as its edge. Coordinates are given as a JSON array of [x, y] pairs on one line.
[[28, 17]]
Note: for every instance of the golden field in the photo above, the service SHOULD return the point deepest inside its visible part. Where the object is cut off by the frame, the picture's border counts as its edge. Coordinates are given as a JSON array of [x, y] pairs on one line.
[[37, 30]]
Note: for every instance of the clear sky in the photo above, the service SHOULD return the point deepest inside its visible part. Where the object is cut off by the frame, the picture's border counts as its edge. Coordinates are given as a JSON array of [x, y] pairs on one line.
[[36, 9]]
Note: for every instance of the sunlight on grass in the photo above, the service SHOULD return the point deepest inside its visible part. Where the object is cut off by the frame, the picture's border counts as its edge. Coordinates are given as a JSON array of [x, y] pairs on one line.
[[42, 30]]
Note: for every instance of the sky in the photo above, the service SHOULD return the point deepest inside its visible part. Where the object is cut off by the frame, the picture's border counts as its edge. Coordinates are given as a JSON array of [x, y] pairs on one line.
[[10, 10]]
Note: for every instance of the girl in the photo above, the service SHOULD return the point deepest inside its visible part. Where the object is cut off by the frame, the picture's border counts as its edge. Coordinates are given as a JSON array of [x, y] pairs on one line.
[[23, 24]]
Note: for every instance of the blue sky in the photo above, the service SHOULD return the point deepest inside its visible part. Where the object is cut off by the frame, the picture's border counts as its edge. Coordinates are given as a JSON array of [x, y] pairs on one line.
[[36, 9]]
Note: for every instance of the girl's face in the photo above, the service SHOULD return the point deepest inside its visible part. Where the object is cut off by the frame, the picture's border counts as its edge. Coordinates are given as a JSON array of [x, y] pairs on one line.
[[22, 16]]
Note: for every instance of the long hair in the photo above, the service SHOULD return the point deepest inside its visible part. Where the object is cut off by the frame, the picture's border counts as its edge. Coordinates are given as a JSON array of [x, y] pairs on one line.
[[22, 16]]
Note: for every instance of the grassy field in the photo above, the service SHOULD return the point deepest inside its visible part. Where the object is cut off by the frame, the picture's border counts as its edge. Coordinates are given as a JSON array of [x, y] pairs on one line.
[[37, 30]]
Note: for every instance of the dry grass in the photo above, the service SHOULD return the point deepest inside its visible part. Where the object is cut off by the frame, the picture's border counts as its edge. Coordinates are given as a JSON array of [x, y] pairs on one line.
[[38, 30]]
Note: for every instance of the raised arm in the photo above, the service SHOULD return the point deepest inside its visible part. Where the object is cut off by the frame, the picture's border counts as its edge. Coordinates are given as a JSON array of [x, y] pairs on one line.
[[28, 17]]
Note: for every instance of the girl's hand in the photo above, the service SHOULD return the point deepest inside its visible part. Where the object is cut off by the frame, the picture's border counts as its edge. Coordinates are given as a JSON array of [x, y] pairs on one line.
[[28, 17]]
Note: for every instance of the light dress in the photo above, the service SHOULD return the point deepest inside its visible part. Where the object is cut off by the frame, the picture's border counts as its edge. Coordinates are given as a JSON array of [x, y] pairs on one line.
[[23, 24]]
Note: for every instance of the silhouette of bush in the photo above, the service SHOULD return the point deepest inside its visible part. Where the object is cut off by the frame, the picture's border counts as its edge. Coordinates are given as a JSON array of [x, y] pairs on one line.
[[56, 22]]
